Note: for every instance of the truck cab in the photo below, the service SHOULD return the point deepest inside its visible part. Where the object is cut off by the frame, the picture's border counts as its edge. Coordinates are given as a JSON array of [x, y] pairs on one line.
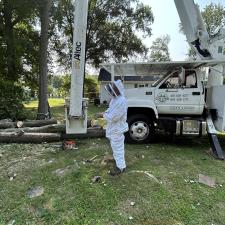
[[180, 93]]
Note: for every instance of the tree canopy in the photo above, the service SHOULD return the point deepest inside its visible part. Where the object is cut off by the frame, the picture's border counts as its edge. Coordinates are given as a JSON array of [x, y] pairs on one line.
[[111, 33]]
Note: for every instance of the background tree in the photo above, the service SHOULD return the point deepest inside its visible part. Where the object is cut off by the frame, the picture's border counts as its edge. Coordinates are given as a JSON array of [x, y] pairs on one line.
[[159, 51], [15, 28], [17, 52], [91, 88], [111, 33], [43, 107], [214, 17]]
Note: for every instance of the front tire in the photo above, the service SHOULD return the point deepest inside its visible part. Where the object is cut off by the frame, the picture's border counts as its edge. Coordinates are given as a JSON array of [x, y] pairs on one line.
[[141, 129]]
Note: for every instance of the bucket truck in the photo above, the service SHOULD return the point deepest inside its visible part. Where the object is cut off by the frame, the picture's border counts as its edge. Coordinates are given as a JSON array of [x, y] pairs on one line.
[[179, 102]]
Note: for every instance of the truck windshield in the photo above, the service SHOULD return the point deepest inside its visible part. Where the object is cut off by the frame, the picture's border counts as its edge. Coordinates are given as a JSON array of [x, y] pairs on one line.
[[158, 81]]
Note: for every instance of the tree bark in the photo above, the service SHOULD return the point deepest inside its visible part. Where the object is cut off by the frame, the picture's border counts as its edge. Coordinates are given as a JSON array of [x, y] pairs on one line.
[[43, 108], [18, 137], [11, 73], [5, 125], [31, 123], [39, 123], [54, 128]]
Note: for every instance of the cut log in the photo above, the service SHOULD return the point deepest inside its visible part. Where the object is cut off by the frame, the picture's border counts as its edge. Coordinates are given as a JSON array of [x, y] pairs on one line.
[[19, 124], [38, 123], [54, 128], [30, 123], [5, 125], [18, 137], [5, 120]]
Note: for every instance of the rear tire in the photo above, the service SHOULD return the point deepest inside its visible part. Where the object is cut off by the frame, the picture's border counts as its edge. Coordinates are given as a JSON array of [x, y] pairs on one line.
[[141, 129]]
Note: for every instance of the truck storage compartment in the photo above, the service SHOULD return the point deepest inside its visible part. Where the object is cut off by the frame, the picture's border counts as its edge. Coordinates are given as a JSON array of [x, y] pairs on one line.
[[191, 127]]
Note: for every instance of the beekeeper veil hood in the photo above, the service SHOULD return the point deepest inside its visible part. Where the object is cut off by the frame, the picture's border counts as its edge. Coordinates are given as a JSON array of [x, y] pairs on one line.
[[115, 88]]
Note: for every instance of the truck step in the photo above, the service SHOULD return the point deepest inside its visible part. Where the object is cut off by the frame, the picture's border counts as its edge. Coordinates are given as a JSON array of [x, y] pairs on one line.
[[216, 147], [191, 133]]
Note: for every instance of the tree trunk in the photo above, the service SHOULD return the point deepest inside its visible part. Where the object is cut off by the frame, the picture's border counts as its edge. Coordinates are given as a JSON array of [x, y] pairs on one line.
[[11, 73], [43, 108]]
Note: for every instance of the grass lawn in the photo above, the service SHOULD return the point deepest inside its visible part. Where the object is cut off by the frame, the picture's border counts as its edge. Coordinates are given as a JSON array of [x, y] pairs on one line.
[[57, 109], [71, 198]]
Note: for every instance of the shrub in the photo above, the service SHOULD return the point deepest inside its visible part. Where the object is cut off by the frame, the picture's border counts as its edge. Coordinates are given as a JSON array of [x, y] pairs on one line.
[[11, 100]]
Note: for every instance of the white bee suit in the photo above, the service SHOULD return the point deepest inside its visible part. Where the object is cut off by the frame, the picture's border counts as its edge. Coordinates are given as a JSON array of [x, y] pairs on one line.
[[116, 116]]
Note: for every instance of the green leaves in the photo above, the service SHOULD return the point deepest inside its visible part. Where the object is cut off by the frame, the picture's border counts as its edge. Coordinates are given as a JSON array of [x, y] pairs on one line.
[[11, 97], [112, 30], [214, 17], [159, 49]]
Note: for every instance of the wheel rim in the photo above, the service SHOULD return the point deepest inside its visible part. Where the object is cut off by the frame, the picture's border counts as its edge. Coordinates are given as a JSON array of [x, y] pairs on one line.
[[139, 130]]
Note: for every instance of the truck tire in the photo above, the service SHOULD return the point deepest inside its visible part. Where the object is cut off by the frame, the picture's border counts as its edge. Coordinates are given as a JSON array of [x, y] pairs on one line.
[[141, 129]]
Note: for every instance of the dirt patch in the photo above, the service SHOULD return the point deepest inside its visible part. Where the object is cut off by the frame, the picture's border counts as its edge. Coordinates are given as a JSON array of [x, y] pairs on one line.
[[61, 172], [19, 157]]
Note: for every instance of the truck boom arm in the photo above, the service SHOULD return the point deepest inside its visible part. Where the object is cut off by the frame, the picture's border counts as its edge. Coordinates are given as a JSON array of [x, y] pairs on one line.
[[195, 29], [78, 58]]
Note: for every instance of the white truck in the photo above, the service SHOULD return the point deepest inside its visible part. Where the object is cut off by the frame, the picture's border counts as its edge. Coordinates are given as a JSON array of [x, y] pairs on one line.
[[179, 102]]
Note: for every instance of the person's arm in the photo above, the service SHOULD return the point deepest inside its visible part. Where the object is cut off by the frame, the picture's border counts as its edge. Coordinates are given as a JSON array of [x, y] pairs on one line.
[[114, 113]]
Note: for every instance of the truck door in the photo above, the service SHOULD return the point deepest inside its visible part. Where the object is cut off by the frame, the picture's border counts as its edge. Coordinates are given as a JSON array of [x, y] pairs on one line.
[[182, 97]]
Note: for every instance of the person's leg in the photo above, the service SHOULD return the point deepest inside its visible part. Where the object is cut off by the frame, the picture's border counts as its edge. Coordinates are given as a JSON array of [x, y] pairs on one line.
[[117, 145]]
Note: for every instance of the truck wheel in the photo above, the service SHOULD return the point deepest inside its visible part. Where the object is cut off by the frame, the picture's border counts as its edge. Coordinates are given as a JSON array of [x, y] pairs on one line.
[[141, 129]]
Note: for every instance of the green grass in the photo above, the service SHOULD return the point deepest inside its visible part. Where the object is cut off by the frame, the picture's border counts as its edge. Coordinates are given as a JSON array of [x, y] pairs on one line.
[[72, 199], [57, 109], [53, 102]]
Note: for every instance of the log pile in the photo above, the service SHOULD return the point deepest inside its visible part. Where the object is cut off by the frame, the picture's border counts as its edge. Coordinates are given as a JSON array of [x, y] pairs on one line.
[[39, 131]]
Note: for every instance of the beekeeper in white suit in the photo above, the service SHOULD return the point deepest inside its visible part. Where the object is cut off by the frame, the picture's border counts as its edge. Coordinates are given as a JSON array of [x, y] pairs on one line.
[[116, 116]]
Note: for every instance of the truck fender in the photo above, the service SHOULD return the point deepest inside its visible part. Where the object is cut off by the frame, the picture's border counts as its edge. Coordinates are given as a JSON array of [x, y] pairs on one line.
[[139, 103]]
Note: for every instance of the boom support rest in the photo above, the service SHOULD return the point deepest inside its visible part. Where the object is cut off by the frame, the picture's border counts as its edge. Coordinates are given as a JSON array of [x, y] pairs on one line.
[[216, 148]]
